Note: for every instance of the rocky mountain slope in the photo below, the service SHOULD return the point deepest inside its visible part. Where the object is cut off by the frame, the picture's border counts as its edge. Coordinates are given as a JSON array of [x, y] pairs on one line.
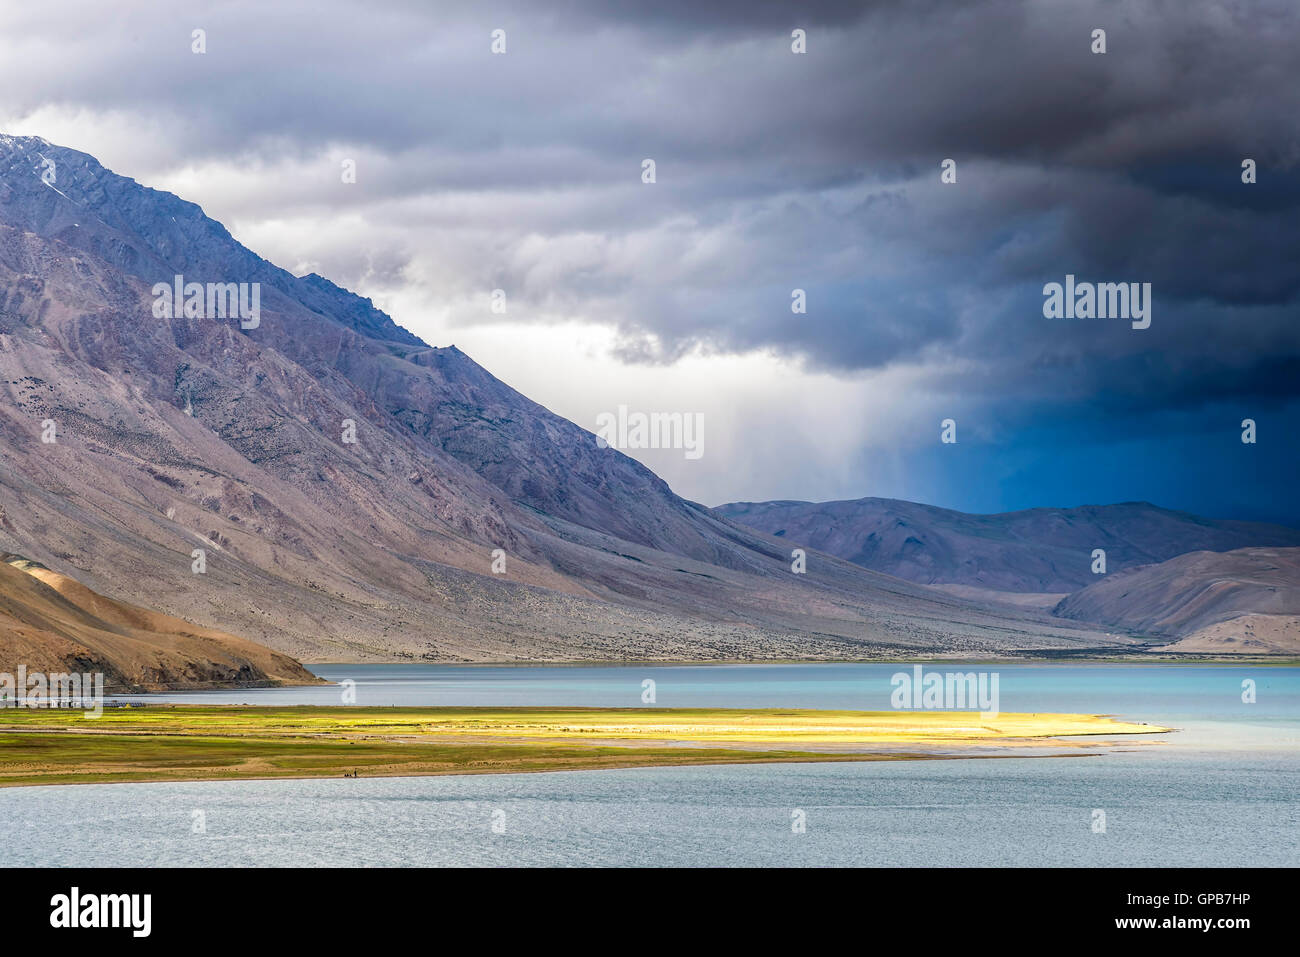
[[1247, 634], [1193, 592], [1041, 550], [53, 624], [176, 434]]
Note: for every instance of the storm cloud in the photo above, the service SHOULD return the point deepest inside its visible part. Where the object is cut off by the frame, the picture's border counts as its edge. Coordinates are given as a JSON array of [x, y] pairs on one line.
[[775, 171]]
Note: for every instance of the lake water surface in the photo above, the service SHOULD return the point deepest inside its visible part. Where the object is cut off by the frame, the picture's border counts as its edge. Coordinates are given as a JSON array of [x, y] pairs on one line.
[[1223, 790]]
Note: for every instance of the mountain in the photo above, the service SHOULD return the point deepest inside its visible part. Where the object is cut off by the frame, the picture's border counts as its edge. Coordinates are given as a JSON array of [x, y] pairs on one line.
[[1243, 600], [1043, 550], [1246, 634], [185, 433], [53, 624]]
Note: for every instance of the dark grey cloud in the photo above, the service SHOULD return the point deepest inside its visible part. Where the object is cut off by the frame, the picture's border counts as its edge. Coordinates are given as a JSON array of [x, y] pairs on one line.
[[775, 171]]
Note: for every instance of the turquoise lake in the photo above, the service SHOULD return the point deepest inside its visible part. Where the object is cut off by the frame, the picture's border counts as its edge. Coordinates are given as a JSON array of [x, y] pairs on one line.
[[1222, 790]]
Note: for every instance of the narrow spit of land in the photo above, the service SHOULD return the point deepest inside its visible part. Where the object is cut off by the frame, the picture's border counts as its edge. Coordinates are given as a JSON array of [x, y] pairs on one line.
[[193, 743]]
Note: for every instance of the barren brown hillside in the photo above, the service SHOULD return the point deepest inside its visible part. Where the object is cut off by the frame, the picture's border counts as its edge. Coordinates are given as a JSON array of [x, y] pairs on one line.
[[52, 623]]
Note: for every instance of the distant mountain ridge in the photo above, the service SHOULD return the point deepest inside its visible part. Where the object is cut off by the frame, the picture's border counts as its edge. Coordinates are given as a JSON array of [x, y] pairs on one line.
[[1046, 550]]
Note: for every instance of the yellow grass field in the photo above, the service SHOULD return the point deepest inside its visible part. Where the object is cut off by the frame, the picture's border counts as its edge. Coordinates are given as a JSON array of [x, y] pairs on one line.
[[197, 743]]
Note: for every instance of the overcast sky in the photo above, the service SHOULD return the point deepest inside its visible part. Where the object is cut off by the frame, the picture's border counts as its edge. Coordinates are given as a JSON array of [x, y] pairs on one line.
[[775, 171]]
